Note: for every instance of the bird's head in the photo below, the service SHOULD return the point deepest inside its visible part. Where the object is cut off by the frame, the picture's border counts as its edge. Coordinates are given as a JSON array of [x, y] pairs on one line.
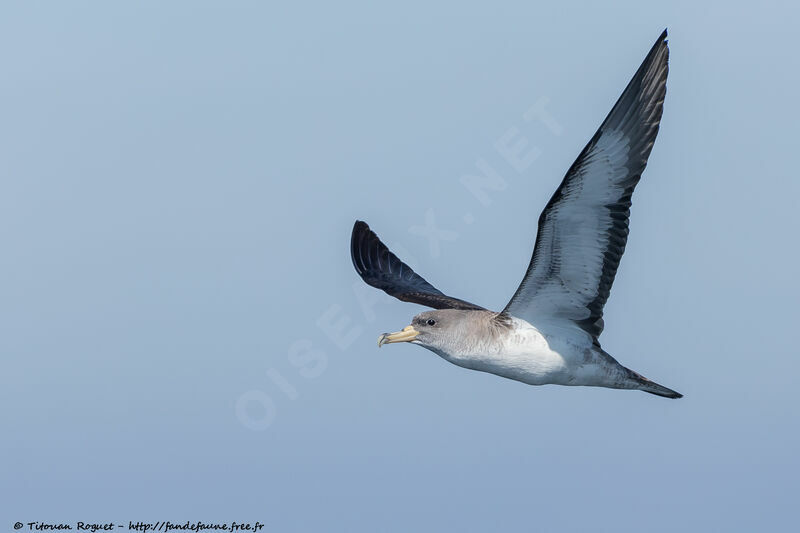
[[438, 330]]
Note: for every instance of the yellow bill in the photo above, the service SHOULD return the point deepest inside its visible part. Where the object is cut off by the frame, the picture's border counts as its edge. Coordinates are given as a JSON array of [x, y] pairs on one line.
[[407, 335]]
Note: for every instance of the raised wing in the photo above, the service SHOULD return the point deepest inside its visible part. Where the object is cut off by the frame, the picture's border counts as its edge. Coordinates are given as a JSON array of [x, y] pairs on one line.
[[584, 227], [379, 267]]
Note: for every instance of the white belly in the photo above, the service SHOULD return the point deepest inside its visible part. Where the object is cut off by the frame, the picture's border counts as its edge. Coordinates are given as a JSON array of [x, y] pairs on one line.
[[526, 355]]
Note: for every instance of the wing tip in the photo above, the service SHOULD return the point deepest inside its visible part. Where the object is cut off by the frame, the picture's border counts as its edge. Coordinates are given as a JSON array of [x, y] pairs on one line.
[[662, 40], [360, 231], [360, 227], [661, 43]]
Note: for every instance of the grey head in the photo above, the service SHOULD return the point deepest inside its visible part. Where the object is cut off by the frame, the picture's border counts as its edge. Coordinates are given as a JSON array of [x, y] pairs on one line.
[[449, 330]]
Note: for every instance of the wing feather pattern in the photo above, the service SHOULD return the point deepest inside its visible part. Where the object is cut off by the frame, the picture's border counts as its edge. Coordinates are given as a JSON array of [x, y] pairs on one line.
[[379, 267], [583, 230]]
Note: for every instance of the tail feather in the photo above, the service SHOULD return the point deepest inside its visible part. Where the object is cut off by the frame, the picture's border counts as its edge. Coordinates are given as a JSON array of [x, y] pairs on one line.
[[652, 387]]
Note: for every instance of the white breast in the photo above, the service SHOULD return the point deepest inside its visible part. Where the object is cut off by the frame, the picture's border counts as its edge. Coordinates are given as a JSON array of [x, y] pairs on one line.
[[524, 354]]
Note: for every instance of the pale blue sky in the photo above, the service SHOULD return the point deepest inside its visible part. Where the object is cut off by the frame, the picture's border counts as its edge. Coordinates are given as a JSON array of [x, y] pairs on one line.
[[179, 181]]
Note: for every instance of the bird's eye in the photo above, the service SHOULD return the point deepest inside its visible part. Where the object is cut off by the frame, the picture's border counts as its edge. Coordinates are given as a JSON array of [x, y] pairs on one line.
[[431, 322]]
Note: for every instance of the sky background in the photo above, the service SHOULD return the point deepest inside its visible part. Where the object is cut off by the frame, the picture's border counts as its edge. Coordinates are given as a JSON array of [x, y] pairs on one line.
[[183, 336]]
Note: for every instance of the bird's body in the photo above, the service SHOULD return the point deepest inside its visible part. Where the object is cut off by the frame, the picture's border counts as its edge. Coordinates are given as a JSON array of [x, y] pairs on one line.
[[510, 347], [549, 331], [515, 349]]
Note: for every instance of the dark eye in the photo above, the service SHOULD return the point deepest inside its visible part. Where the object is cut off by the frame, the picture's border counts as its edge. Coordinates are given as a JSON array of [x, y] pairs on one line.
[[431, 322]]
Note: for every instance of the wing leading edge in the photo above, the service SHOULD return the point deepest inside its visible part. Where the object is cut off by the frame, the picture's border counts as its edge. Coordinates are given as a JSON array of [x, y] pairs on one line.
[[583, 230], [379, 267]]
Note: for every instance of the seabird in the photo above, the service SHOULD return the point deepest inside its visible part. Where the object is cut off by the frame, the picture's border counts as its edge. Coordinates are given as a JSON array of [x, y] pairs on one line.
[[549, 331]]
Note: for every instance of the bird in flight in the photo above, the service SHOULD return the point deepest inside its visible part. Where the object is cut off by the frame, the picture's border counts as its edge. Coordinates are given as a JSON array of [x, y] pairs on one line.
[[549, 331]]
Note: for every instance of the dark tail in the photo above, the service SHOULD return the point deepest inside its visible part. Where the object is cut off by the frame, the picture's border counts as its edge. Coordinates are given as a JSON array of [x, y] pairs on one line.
[[652, 387]]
